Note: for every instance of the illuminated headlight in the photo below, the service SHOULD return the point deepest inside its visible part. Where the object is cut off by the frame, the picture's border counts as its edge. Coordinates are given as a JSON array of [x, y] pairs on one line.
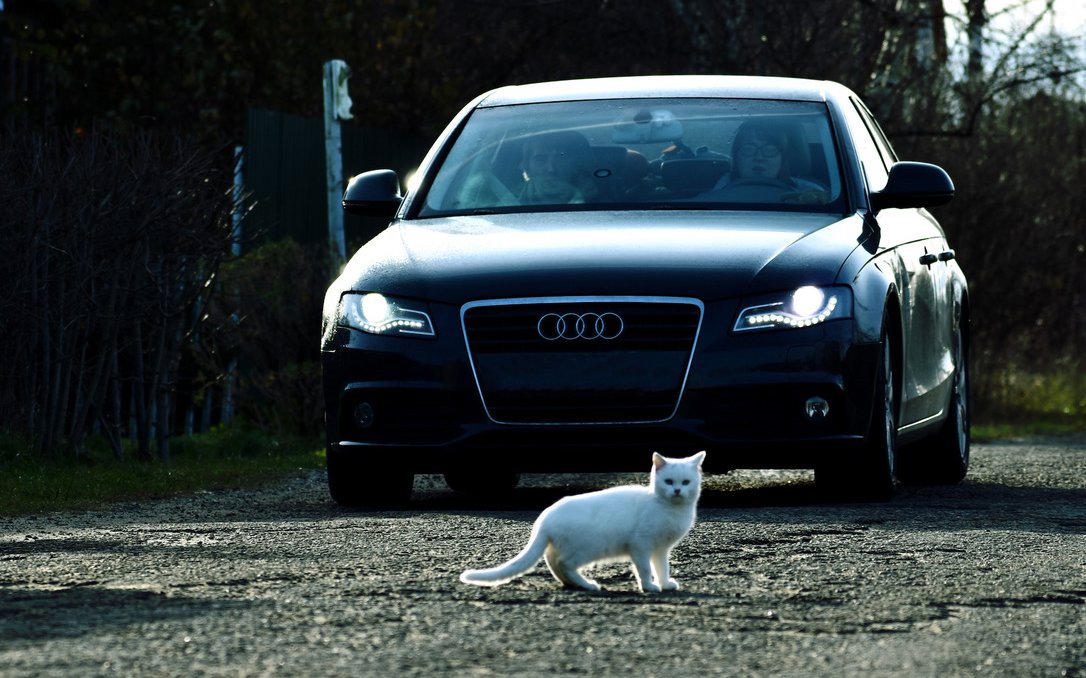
[[377, 314], [803, 307]]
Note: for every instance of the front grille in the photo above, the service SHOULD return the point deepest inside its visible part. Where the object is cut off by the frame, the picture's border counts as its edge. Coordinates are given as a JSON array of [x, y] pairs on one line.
[[592, 369]]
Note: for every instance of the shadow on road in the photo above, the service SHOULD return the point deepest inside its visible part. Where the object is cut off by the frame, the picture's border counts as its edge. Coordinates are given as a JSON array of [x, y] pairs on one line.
[[978, 505], [91, 610]]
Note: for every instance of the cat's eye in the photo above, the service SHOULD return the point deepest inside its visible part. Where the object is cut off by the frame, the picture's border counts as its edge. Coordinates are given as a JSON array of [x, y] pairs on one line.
[[686, 482], [669, 481]]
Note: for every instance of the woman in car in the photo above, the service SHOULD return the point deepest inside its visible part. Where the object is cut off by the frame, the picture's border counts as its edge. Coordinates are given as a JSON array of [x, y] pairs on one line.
[[761, 157]]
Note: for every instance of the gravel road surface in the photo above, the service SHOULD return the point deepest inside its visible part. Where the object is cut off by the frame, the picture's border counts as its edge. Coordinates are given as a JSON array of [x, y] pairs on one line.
[[983, 578]]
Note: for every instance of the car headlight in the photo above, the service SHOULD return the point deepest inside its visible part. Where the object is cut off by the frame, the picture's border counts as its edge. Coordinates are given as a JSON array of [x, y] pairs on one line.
[[803, 307], [377, 314]]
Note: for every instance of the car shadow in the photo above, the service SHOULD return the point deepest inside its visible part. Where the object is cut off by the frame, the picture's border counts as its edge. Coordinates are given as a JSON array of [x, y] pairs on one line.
[[539, 498], [967, 505], [790, 488]]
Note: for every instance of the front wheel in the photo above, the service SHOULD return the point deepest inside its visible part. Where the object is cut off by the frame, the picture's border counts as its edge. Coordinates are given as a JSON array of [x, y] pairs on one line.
[[870, 473], [944, 459], [367, 478]]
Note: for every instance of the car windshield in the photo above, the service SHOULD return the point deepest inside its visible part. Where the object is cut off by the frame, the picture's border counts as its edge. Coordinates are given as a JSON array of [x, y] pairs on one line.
[[637, 154]]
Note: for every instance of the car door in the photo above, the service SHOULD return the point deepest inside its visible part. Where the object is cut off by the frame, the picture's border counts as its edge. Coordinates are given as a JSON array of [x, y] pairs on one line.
[[913, 243], [924, 304]]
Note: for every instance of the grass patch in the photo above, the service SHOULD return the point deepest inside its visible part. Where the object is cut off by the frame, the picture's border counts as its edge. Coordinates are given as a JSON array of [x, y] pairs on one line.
[[1005, 431], [1013, 402], [225, 458]]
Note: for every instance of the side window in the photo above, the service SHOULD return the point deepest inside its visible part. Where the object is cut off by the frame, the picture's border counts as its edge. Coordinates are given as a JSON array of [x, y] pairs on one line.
[[874, 165]]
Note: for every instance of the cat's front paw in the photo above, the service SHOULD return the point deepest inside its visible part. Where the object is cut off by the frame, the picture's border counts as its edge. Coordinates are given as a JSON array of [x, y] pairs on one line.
[[650, 587], [671, 585]]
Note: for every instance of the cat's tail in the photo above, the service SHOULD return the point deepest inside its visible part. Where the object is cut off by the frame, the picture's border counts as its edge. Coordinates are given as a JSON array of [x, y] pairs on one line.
[[506, 572]]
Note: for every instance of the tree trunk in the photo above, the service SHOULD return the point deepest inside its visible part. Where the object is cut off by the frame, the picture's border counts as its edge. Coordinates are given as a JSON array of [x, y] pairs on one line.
[[976, 21]]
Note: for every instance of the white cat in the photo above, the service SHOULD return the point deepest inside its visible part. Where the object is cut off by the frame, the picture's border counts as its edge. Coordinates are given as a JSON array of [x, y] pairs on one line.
[[636, 523]]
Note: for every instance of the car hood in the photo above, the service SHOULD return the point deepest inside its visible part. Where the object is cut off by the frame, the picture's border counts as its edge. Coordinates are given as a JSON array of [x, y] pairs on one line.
[[707, 255]]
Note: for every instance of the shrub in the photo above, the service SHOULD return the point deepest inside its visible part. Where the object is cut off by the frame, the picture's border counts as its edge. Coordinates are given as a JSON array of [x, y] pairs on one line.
[[270, 315], [110, 242]]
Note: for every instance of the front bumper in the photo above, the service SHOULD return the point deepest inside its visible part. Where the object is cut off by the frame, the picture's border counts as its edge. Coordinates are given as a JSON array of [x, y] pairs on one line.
[[743, 401]]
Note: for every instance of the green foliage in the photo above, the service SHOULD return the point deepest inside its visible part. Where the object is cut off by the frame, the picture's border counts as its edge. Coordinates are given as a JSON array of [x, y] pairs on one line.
[[1017, 396], [278, 292], [983, 433], [225, 458], [199, 65]]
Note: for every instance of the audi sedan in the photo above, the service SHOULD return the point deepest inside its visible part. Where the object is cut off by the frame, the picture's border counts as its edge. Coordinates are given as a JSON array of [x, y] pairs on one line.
[[588, 271]]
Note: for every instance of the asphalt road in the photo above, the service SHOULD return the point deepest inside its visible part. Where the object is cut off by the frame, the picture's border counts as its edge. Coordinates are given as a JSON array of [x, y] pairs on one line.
[[984, 578]]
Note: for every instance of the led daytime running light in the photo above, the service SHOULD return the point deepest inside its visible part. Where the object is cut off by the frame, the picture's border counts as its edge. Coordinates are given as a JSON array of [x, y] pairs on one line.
[[780, 318], [392, 325], [376, 314]]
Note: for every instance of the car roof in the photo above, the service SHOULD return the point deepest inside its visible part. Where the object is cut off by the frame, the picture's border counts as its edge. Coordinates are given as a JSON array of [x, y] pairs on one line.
[[666, 86]]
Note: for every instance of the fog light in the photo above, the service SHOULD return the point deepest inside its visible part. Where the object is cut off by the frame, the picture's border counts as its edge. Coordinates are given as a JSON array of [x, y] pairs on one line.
[[817, 408], [363, 415]]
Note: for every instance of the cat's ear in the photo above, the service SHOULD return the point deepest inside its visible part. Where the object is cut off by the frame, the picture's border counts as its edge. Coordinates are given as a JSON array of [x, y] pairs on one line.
[[698, 458], [658, 460]]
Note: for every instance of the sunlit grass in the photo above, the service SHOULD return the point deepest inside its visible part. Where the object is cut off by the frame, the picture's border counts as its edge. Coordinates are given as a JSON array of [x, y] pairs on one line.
[[1011, 402], [238, 457], [984, 432], [1056, 394]]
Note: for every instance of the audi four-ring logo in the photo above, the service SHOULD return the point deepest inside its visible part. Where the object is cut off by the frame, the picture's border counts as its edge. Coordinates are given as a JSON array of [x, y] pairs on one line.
[[554, 326]]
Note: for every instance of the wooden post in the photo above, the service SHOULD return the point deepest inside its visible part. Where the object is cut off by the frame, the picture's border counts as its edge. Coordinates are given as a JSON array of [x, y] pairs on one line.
[[337, 105]]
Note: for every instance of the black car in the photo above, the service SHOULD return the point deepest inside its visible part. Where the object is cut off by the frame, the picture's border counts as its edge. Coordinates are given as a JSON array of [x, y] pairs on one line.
[[589, 271]]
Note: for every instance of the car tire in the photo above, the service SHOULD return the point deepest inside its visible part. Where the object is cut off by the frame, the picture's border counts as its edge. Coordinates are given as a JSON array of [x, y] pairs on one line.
[[367, 479], [482, 483], [944, 459], [869, 474]]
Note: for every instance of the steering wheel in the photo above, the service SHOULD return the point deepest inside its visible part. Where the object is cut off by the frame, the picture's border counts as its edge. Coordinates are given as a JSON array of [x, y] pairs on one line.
[[754, 189], [763, 181]]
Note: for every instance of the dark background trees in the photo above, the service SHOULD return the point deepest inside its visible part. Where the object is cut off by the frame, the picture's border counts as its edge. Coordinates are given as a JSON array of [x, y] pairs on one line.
[[998, 102], [109, 246], [194, 64]]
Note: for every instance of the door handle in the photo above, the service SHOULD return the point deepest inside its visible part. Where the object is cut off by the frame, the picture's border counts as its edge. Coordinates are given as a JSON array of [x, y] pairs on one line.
[[929, 259]]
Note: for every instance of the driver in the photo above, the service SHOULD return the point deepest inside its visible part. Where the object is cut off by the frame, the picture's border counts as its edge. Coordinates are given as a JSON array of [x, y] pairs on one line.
[[760, 155], [555, 170]]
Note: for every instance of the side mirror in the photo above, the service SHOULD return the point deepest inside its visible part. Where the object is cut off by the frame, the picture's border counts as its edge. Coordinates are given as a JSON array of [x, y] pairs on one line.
[[914, 184], [373, 194]]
